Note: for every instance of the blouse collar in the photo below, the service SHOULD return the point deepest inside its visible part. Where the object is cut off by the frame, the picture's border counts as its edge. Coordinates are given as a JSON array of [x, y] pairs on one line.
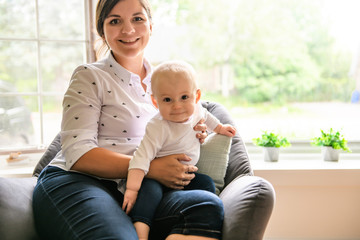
[[128, 77]]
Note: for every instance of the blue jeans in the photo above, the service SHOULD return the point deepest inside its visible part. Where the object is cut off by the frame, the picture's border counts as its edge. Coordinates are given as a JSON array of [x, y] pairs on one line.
[[69, 205], [151, 193]]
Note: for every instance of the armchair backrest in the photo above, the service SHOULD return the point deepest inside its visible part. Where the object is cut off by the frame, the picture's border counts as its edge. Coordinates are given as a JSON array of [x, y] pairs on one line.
[[49, 155]]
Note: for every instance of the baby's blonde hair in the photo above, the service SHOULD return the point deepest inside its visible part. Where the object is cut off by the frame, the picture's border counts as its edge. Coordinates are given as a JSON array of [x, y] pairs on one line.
[[176, 67]]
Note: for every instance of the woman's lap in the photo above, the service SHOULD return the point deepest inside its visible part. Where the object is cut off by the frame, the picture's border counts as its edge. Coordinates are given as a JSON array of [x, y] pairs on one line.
[[75, 206]]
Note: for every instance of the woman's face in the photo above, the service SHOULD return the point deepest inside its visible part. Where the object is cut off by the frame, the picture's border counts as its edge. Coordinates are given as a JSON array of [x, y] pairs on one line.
[[127, 30]]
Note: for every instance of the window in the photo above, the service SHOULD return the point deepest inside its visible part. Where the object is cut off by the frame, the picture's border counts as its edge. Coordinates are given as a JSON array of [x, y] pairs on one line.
[[290, 66], [41, 43]]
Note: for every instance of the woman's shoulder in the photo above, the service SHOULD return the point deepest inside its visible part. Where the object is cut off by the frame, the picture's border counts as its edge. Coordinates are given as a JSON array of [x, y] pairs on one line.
[[89, 71], [92, 67]]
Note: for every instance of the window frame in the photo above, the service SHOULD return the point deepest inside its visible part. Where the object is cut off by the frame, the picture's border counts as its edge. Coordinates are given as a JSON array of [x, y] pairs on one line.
[[88, 41]]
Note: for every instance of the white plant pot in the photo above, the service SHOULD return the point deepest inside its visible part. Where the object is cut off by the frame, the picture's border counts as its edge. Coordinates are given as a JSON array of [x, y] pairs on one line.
[[271, 154], [330, 154]]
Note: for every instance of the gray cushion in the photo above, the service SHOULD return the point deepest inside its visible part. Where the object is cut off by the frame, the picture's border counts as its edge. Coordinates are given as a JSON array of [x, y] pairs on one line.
[[49, 155], [16, 217]]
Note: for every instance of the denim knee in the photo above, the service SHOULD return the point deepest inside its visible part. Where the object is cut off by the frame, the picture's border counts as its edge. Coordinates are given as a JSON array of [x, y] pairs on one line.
[[193, 212], [206, 216], [201, 182]]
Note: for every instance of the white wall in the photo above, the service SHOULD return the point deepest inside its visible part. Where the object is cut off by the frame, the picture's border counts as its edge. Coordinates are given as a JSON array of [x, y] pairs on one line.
[[314, 204]]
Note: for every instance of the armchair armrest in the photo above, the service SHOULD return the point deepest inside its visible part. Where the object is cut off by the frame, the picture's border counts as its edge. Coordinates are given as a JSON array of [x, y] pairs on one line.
[[16, 216], [248, 203]]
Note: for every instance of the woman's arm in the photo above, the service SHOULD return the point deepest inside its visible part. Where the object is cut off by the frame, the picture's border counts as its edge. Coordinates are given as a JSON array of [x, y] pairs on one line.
[[112, 164], [167, 170]]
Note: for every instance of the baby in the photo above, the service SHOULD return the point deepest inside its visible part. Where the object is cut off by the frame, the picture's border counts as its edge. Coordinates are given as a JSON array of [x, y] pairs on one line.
[[175, 94]]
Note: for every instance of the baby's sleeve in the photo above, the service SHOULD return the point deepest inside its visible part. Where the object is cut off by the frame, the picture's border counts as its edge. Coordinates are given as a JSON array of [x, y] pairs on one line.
[[149, 147], [210, 120]]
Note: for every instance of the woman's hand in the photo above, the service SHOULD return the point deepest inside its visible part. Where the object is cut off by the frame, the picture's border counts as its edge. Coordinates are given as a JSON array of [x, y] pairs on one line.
[[170, 172], [201, 127]]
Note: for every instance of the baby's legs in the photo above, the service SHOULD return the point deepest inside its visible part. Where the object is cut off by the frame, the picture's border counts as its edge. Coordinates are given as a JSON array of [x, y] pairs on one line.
[[201, 182], [142, 214]]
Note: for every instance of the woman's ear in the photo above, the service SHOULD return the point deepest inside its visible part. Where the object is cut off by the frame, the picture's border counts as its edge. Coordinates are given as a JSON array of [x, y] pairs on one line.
[[198, 95], [154, 101]]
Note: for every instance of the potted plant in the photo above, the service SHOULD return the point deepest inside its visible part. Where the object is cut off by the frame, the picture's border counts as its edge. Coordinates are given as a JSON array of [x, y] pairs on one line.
[[331, 142], [271, 144]]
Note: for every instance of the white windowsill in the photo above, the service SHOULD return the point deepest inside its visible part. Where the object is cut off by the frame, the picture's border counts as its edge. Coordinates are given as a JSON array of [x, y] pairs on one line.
[[309, 161], [19, 169]]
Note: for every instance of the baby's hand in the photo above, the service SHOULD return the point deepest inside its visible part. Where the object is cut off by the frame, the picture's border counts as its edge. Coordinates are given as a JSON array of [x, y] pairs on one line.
[[129, 200], [227, 130]]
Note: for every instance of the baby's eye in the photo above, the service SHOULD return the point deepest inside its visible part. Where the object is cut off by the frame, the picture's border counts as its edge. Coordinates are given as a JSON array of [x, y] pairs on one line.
[[184, 97], [167, 99]]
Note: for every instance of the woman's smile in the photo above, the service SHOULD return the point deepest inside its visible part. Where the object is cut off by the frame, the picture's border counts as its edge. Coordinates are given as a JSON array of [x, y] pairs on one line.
[[129, 41]]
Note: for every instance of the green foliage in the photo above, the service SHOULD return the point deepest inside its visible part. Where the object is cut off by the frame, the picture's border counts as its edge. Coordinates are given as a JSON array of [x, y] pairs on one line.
[[279, 52], [331, 139], [270, 139]]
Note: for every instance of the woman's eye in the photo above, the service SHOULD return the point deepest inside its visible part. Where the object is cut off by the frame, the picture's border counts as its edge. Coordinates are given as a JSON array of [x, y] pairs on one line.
[[114, 21], [184, 97], [138, 19], [167, 99]]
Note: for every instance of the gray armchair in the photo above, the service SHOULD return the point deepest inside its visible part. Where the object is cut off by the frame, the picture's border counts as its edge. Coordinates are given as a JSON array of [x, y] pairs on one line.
[[248, 199]]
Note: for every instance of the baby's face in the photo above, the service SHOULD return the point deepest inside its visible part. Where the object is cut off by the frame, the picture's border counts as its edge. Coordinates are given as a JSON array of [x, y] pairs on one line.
[[175, 96]]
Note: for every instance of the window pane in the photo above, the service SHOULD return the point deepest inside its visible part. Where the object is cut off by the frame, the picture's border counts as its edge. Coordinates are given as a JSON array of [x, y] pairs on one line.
[[62, 19], [298, 121], [17, 18], [283, 67], [52, 117], [16, 121], [18, 62], [61, 47], [58, 62]]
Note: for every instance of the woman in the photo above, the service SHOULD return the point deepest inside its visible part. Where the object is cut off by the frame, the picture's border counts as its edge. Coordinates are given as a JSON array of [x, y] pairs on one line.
[[105, 111]]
